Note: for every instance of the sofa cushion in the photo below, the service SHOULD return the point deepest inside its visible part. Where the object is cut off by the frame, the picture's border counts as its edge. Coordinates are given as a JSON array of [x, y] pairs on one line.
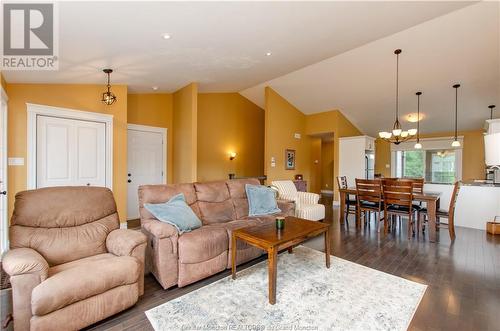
[[64, 244], [163, 193], [65, 266], [202, 244], [63, 223], [214, 202], [261, 200], [239, 195], [238, 224], [175, 212], [83, 280], [245, 251]]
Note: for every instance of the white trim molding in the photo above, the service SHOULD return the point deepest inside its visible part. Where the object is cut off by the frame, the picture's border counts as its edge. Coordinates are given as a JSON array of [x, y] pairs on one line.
[[4, 94], [34, 110], [4, 226], [163, 131]]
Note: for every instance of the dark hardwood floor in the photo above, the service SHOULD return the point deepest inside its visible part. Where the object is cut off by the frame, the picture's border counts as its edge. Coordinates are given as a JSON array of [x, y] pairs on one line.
[[463, 276]]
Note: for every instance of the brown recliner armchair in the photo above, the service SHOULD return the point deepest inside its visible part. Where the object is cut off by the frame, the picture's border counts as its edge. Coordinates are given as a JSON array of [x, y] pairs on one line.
[[69, 264]]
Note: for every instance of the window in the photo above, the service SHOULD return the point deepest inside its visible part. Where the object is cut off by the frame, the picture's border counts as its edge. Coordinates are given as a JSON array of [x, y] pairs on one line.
[[436, 166]]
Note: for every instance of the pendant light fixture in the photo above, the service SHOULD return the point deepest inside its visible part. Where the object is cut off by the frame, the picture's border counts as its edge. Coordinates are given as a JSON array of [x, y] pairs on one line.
[[418, 145], [397, 136], [455, 142], [108, 97], [491, 107]]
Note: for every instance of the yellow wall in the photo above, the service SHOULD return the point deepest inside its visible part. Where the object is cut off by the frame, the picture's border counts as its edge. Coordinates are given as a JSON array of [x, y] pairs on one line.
[[154, 109], [332, 122], [472, 155], [185, 110], [283, 120], [229, 122], [382, 157], [80, 97], [314, 184], [327, 165]]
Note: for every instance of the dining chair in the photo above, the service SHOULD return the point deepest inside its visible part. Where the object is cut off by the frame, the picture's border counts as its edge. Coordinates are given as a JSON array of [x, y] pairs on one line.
[[398, 201], [349, 202], [418, 187], [369, 199], [440, 213]]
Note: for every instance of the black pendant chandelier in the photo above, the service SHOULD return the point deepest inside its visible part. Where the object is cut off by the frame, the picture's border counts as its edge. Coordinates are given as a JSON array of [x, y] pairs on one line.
[[418, 145], [398, 135], [455, 142], [108, 97]]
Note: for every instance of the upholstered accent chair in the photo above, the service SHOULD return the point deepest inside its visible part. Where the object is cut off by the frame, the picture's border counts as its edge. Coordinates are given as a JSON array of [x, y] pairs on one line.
[[306, 203], [69, 263]]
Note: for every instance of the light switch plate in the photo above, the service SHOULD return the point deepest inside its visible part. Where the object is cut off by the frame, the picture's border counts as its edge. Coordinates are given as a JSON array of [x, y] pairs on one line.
[[297, 136], [15, 161]]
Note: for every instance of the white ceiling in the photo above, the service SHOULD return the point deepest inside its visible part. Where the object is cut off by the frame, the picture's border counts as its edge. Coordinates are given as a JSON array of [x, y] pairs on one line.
[[222, 45], [462, 47]]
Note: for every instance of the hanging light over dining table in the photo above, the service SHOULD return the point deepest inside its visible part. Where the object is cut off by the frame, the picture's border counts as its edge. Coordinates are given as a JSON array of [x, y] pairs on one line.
[[397, 135], [456, 142]]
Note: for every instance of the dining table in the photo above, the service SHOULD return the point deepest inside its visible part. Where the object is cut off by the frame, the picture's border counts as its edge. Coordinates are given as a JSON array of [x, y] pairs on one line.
[[431, 200]]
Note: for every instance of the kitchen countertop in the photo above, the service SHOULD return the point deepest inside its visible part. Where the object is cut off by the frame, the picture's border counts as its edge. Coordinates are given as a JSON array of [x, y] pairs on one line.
[[471, 183], [480, 183]]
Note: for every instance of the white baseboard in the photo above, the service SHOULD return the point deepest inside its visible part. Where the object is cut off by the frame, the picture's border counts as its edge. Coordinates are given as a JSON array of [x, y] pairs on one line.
[[123, 225]]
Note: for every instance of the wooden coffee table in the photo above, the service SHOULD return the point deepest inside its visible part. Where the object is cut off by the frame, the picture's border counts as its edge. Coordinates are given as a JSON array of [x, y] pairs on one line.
[[268, 238]]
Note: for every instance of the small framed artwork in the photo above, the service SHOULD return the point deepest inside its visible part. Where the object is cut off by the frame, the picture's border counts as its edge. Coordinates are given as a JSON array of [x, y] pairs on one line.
[[289, 159]]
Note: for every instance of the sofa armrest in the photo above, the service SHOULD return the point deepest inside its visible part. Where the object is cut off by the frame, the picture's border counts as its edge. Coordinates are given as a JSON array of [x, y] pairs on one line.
[[287, 207], [158, 229], [308, 198], [21, 261], [122, 242], [27, 269]]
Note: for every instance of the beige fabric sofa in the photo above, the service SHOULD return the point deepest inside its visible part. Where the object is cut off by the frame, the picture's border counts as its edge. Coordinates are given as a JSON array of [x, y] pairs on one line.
[[222, 207], [69, 264]]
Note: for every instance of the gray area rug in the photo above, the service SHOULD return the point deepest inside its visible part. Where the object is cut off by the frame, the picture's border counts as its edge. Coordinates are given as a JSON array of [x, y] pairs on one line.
[[348, 296]]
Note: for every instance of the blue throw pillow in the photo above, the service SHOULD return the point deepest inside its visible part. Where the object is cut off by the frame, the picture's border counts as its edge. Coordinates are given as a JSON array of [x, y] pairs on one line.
[[261, 200], [175, 212]]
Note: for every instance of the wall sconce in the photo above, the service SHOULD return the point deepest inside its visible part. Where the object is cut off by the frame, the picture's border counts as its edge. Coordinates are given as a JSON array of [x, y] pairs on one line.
[[232, 155]]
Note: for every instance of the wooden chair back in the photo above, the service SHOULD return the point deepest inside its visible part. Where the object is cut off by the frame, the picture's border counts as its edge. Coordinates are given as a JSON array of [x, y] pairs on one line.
[[369, 190], [453, 203], [342, 182], [398, 192], [418, 184]]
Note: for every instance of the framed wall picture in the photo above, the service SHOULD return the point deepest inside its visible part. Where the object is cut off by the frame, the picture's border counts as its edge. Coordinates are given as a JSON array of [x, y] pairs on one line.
[[289, 159]]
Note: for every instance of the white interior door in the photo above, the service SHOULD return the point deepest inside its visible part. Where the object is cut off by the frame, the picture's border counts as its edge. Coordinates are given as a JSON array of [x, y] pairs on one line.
[[4, 239], [70, 152], [146, 164]]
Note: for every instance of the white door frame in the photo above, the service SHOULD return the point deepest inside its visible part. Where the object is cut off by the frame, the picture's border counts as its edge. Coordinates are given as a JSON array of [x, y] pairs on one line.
[[5, 225], [35, 110], [163, 132]]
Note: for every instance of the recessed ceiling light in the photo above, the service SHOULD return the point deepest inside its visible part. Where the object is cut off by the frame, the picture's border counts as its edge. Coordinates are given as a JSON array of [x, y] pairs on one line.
[[155, 88], [166, 36], [269, 54]]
